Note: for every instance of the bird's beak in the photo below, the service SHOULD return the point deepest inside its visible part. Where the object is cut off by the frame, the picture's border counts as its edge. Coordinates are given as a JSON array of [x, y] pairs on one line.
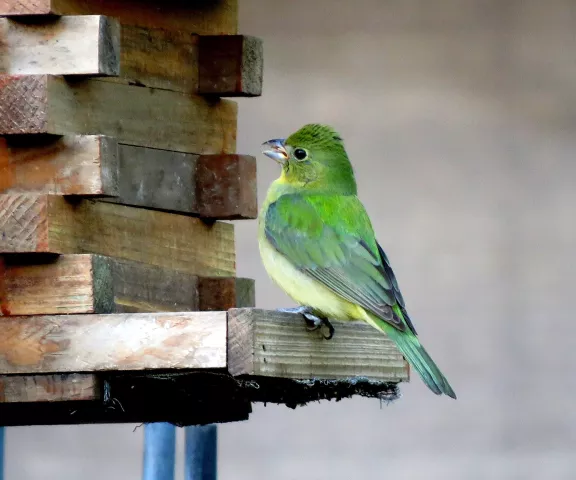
[[276, 150]]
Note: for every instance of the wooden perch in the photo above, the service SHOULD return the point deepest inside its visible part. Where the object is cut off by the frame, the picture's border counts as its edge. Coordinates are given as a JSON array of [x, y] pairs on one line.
[[70, 165], [230, 65], [204, 17], [47, 104], [49, 388], [40, 284], [76, 45], [208, 186], [275, 344], [51, 224], [114, 342], [245, 341]]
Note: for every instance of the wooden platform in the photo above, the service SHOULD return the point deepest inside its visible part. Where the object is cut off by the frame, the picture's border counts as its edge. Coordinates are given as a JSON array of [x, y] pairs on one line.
[[239, 356]]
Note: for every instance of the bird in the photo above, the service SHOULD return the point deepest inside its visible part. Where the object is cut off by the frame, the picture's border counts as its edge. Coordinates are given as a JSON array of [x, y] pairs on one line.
[[318, 245]]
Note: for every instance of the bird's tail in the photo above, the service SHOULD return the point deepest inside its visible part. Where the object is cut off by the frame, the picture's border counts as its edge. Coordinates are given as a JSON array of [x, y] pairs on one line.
[[417, 356]]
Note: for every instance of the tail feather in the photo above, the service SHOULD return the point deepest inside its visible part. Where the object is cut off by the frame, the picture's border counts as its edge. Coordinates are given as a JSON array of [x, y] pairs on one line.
[[418, 357]]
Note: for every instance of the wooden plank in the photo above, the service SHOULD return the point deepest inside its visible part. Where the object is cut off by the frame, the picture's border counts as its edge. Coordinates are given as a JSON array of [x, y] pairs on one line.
[[53, 224], [114, 342], [276, 344], [168, 120], [75, 45], [49, 388], [48, 284], [69, 165], [230, 65], [198, 16], [57, 284], [208, 186]]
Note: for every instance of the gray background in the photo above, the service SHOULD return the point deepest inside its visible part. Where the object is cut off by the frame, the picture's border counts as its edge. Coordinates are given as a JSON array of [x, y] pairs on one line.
[[459, 117]]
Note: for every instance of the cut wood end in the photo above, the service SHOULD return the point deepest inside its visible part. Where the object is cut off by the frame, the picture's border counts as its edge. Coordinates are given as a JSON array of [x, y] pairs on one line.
[[230, 65], [226, 187]]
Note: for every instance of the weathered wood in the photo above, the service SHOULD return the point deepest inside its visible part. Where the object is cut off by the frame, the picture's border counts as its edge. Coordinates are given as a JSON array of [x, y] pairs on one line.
[[114, 342], [52, 224], [49, 388], [159, 58], [75, 45], [69, 165], [208, 186], [165, 119], [217, 293], [199, 16], [56, 284], [276, 344], [230, 65]]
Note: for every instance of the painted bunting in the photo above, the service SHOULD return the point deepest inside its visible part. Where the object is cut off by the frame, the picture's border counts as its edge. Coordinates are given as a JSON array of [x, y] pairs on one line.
[[317, 243]]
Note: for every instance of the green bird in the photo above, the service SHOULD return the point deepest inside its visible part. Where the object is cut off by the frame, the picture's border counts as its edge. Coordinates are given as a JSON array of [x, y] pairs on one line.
[[317, 244]]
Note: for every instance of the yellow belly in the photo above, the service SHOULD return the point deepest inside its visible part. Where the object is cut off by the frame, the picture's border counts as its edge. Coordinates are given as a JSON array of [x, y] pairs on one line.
[[304, 290]]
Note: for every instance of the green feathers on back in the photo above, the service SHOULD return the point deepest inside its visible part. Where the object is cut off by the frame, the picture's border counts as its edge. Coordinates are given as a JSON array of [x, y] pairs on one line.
[[325, 166]]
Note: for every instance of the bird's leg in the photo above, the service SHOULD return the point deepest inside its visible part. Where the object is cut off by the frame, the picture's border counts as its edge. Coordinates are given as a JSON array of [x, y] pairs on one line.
[[314, 322]]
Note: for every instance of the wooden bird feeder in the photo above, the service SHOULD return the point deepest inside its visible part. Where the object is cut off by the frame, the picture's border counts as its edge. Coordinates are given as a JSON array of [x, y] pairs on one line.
[[118, 178]]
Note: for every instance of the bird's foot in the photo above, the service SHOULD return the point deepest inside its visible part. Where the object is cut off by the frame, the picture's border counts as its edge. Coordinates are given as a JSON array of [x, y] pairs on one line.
[[313, 322]]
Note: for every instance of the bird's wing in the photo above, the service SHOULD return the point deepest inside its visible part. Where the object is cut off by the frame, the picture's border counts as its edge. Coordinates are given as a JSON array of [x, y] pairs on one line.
[[330, 238]]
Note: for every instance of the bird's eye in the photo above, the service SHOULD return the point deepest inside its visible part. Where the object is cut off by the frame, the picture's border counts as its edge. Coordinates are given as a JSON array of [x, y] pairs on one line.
[[300, 154]]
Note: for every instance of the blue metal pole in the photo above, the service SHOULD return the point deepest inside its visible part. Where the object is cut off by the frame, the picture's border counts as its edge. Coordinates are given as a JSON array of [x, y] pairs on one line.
[[2, 442], [201, 453], [159, 451]]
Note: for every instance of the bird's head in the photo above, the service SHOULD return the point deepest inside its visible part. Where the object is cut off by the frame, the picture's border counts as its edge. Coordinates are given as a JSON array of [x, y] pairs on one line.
[[313, 158]]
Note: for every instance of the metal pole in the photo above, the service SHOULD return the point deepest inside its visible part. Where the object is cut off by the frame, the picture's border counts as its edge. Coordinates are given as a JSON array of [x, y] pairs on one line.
[[201, 453], [2, 443], [159, 451]]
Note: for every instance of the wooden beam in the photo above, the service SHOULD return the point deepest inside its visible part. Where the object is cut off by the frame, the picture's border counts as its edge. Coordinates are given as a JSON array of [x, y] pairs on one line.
[[168, 120], [74, 45], [201, 16], [208, 186], [114, 342], [49, 388], [53, 284], [230, 65], [69, 165], [52, 224], [275, 344]]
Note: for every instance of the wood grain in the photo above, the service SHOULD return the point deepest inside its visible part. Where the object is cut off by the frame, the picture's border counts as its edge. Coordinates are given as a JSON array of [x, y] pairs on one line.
[[230, 65], [165, 119], [46, 223], [56, 284], [49, 388], [208, 186], [115, 342], [68, 165], [74, 45], [198, 16], [275, 344]]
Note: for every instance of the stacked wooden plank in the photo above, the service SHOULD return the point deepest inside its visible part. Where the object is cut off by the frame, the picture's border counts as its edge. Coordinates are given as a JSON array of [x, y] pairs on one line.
[[118, 174]]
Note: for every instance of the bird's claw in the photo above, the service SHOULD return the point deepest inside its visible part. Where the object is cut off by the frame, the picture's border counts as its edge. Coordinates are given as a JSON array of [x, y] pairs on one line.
[[313, 322]]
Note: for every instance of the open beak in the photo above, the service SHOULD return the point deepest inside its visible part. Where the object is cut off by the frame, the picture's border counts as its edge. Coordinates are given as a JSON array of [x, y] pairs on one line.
[[275, 150]]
